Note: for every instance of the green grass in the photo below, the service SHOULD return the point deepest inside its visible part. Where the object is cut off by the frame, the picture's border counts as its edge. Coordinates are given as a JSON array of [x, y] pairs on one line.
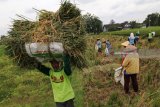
[[143, 31], [105, 93], [102, 91], [30, 88], [94, 87], [1, 50], [114, 101]]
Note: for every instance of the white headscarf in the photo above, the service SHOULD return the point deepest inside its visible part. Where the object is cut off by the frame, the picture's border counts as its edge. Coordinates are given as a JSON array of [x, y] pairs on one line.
[[132, 36]]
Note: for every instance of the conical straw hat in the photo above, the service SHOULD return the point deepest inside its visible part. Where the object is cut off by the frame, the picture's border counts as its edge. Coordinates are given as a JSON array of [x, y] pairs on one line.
[[125, 43], [130, 48]]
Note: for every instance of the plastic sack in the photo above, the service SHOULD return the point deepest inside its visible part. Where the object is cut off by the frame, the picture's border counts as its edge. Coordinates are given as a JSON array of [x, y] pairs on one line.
[[119, 76], [45, 51], [96, 47], [154, 33], [106, 51]]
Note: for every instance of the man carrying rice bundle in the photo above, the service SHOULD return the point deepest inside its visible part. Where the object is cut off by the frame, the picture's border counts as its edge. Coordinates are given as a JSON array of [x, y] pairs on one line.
[[59, 77]]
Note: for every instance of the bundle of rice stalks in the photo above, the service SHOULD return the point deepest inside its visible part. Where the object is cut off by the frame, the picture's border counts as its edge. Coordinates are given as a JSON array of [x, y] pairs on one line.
[[65, 26], [15, 43]]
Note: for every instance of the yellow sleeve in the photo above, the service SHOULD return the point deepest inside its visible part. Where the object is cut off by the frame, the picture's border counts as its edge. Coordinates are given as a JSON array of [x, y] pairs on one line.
[[126, 61]]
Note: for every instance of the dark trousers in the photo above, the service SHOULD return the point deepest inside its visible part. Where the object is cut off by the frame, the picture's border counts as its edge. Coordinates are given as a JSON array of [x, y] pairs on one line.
[[149, 40], [127, 81], [68, 103]]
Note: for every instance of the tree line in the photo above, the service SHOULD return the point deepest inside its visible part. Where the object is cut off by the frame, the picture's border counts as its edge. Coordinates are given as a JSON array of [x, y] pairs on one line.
[[152, 20], [95, 25]]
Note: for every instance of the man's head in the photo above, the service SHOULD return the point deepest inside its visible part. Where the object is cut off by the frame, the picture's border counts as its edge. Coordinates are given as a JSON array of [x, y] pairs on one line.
[[55, 64]]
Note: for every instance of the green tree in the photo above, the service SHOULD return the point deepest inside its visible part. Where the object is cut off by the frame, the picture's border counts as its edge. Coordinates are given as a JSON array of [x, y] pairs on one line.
[[113, 27], [92, 24], [159, 20], [152, 20], [15, 43], [2, 37], [134, 24]]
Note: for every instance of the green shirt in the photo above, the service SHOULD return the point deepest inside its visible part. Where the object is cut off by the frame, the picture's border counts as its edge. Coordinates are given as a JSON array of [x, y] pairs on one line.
[[61, 86], [150, 36]]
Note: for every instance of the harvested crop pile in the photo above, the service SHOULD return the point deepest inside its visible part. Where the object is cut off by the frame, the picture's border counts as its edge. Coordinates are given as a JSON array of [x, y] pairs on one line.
[[65, 26], [15, 43]]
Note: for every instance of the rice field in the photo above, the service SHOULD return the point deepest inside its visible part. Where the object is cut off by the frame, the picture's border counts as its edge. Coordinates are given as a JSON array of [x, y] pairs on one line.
[[94, 86], [143, 31]]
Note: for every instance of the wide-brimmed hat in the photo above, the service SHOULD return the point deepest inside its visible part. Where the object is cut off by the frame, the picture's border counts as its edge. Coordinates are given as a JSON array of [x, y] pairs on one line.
[[98, 38], [130, 48], [125, 43]]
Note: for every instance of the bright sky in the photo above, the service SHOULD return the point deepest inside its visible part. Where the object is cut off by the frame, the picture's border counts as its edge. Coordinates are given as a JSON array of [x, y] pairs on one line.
[[119, 10]]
